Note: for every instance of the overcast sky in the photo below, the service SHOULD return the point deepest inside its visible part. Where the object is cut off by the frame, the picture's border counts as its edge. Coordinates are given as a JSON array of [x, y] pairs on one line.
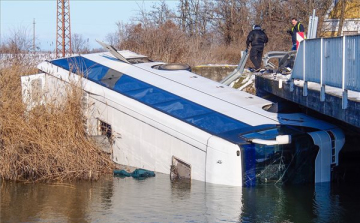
[[92, 19]]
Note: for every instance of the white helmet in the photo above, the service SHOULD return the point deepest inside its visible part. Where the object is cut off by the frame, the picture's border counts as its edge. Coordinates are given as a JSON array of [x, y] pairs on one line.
[[256, 27]]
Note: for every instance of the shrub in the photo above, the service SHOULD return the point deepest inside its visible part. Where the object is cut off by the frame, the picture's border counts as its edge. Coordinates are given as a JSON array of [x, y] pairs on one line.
[[48, 142]]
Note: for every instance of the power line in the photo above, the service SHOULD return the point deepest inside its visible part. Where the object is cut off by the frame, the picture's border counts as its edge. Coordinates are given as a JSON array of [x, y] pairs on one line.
[[34, 49]]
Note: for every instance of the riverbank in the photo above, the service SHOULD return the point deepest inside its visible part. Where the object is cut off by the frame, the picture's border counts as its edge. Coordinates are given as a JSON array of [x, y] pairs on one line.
[[48, 142]]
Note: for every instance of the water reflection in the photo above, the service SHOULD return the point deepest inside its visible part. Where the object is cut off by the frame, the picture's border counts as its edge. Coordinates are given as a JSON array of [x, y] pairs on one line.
[[45, 203], [277, 204], [159, 200]]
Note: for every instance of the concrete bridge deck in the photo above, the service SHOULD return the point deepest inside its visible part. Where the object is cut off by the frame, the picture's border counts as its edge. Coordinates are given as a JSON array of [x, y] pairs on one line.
[[331, 105]]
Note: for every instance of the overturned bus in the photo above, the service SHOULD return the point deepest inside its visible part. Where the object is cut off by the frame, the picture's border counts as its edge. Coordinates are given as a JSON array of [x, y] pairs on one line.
[[166, 118]]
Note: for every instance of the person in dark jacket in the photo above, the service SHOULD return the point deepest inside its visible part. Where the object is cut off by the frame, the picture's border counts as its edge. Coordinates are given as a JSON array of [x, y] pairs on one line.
[[257, 38], [297, 27]]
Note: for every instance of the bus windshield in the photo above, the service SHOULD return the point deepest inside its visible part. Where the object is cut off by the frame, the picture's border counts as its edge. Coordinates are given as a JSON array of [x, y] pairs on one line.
[[279, 164]]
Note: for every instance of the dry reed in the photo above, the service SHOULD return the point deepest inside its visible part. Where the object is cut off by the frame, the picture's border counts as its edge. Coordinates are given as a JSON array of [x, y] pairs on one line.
[[48, 142]]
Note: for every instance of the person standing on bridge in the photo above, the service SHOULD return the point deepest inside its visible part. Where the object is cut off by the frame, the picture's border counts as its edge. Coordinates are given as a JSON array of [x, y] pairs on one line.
[[257, 38], [297, 27]]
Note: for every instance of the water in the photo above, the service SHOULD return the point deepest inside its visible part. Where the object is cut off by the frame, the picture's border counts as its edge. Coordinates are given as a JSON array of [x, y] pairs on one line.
[[158, 200]]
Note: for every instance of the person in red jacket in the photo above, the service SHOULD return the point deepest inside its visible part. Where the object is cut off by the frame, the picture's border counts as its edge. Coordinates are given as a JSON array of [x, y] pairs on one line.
[[257, 38]]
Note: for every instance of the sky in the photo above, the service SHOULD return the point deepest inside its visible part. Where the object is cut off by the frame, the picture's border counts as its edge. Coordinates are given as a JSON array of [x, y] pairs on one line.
[[92, 19]]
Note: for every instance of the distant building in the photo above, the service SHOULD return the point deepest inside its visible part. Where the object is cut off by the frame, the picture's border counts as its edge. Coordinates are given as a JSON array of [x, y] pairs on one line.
[[351, 25]]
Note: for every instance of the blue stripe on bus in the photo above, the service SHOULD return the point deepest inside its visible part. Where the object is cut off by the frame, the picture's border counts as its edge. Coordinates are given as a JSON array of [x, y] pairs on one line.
[[185, 110], [82, 66]]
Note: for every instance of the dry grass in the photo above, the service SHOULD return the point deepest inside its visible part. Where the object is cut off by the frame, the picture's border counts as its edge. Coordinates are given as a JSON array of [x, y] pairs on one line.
[[169, 44], [47, 143]]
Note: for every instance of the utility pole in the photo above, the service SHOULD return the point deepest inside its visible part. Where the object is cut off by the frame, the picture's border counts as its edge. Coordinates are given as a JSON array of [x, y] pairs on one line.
[[63, 30], [34, 49]]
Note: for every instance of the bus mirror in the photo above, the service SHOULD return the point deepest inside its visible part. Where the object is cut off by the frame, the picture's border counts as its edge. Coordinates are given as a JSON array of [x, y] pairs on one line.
[[280, 140], [283, 139]]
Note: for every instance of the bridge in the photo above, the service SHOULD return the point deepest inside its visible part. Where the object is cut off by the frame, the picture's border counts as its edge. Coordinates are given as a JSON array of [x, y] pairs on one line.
[[325, 78], [325, 82]]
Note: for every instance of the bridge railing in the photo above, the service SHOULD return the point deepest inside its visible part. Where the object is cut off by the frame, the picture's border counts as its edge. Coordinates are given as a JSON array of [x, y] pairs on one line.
[[331, 62]]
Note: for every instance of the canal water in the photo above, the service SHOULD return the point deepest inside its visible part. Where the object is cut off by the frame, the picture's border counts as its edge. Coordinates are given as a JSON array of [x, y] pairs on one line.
[[160, 200]]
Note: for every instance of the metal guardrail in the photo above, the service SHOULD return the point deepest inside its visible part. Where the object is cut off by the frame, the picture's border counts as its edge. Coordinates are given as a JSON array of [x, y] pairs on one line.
[[331, 62], [233, 76]]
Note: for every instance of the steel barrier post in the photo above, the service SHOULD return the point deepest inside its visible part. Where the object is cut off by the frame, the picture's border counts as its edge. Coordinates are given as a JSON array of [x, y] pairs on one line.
[[322, 91], [305, 92], [344, 91]]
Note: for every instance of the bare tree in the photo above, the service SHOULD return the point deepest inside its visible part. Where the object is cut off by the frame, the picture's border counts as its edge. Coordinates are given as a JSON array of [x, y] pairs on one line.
[[113, 38], [160, 13], [347, 9], [79, 44], [342, 17], [194, 16], [18, 42], [231, 16]]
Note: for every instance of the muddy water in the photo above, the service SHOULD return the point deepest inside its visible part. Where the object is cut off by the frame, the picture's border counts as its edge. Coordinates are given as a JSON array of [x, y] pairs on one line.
[[159, 200]]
